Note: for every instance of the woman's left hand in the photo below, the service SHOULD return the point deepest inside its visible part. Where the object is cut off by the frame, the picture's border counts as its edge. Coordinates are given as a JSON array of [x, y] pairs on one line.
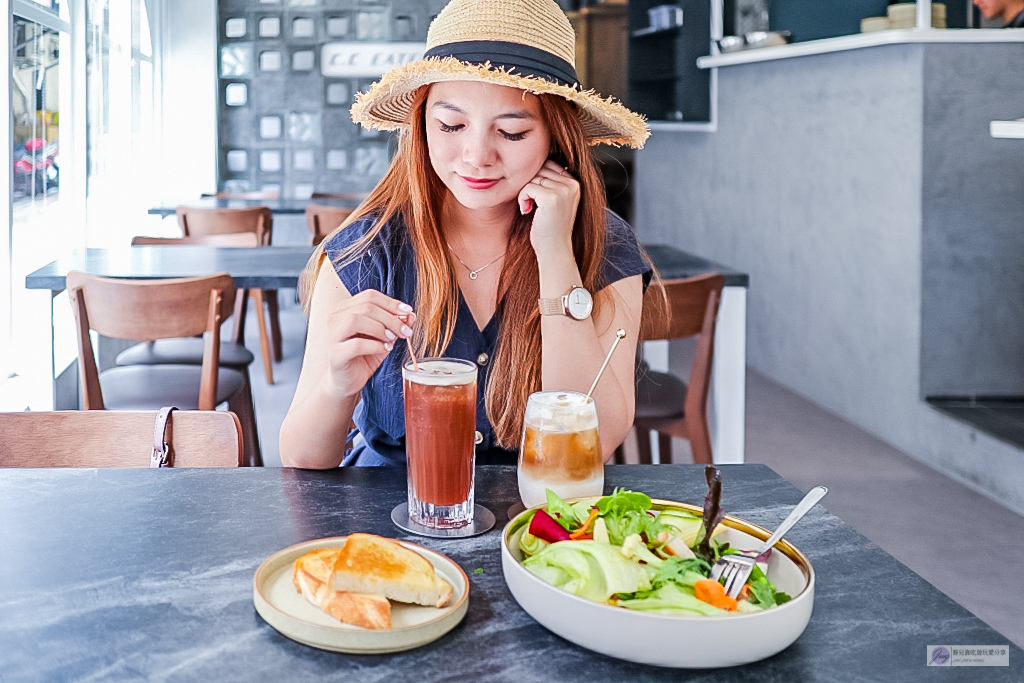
[[553, 195]]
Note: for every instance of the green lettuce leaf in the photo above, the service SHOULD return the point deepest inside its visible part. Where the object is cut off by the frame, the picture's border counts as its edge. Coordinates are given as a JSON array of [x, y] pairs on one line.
[[682, 572], [626, 513], [672, 599], [763, 592], [562, 512], [589, 569], [530, 544]]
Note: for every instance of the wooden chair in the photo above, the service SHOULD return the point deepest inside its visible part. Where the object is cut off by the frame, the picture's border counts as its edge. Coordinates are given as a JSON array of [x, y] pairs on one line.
[[321, 220], [664, 403], [93, 438], [196, 222], [233, 353], [158, 309]]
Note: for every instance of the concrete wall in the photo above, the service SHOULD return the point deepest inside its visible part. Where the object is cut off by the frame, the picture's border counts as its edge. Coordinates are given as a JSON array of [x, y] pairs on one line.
[[810, 184], [972, 338], [813, 185]]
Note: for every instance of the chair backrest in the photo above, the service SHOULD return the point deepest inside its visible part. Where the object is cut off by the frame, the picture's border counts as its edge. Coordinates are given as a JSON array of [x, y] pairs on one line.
[[195, 221], [321, 220], [148, 310], [94, 438], [691, 309], [230, 239]]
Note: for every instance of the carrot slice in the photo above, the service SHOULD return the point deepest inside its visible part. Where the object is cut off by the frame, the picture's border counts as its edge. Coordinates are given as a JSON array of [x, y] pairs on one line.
[[712, 592], [582, 531]]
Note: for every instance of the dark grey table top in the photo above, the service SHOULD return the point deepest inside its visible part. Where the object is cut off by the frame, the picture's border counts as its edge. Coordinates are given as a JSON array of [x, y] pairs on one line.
[[276, 206], [252, 267], [675, 263], [147, 574], [273, 267]]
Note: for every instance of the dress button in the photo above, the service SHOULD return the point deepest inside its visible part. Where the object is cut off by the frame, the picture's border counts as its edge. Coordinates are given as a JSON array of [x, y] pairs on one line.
[[482, 359], [478, 438]]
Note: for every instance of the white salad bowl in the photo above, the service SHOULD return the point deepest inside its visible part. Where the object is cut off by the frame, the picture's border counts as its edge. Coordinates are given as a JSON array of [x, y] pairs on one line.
[[692, 642]]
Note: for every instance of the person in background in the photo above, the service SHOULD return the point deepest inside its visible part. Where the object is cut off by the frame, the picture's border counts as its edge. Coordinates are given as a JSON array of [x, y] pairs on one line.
[[1010, 11], [488, 239]]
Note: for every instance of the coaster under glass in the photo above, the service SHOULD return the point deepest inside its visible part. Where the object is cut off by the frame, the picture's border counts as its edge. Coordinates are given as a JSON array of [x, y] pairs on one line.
[[515, 510], [483, 521]]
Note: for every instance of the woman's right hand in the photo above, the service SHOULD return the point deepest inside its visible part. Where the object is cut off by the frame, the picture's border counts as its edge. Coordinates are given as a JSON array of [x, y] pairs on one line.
[[362, 331]]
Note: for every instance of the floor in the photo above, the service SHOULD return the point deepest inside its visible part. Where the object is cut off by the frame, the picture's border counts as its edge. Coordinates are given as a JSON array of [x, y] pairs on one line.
[[1000, 417], [939, 528]]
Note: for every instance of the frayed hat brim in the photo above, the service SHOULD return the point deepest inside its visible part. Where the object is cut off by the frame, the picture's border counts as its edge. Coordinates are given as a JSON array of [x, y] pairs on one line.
[[386, 105]]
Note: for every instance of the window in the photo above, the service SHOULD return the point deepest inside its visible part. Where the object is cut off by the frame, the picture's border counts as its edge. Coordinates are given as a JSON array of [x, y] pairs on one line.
[[73, 184], [40, 227]]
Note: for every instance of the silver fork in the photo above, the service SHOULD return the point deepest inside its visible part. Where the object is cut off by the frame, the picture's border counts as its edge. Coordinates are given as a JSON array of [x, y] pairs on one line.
[[736, 568]]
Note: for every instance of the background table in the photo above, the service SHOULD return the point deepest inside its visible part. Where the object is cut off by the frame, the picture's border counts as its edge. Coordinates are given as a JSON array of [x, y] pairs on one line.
[[275, 267], [147, 574], [284, 207], [251, 267]]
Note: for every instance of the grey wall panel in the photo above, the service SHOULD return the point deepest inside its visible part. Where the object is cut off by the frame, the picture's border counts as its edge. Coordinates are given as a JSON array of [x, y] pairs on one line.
[[831, 180], [972, 337], [811, 184], [276, 58]]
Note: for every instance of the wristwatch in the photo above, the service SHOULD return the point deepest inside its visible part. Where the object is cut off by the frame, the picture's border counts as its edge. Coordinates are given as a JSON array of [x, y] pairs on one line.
[[576, 303]]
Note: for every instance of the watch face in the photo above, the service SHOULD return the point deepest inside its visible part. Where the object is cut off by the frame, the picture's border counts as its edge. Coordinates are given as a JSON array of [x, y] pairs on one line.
[[579, 303]]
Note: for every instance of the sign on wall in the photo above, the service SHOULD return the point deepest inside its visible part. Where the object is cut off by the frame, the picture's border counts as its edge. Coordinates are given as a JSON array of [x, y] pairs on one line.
[[364, 59]]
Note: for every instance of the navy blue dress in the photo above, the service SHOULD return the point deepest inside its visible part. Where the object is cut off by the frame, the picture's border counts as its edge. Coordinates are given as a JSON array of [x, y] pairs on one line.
[[389, 266]]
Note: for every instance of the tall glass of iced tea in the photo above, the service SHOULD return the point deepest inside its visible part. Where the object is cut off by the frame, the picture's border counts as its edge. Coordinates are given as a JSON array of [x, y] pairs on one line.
[[440, 425], [561, 448]]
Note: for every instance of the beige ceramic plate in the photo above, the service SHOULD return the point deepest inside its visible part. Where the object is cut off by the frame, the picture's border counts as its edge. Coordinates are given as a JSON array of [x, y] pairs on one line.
[[289, 612]]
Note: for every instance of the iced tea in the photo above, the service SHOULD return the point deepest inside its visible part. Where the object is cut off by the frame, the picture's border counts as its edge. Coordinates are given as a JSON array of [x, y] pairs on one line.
[[440, 425], [561, 448]]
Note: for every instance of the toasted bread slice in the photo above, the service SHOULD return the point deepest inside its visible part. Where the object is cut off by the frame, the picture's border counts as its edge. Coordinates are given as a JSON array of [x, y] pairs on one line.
[[318, 563], [371, 564], [360, 609]]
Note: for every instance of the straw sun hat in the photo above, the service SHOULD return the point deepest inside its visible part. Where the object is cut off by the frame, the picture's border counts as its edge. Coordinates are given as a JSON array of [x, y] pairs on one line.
[[526, 44]]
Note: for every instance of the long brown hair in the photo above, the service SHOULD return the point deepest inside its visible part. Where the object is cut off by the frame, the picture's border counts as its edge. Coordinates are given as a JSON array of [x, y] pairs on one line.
[[411, 188]]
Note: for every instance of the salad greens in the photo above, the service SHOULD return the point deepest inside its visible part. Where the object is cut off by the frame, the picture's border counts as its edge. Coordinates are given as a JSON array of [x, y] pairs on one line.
[[618, 550]]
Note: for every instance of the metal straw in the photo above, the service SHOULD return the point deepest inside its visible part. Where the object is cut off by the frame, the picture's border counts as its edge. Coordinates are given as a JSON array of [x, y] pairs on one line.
[[619, 336]]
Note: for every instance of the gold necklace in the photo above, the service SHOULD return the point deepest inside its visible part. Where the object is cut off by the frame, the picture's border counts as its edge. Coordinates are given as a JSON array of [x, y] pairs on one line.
[[473, 274]]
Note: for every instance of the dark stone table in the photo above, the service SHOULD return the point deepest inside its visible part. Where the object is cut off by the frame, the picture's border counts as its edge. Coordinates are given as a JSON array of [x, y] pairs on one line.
[[147, 575], [251, 267], [673, 263], [270, 267], [277, 206]]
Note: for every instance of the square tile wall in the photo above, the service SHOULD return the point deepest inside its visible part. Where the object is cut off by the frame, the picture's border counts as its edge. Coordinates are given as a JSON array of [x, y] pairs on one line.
[[282, 125]]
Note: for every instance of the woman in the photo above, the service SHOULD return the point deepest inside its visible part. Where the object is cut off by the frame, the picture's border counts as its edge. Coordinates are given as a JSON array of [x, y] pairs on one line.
[[486, 240]]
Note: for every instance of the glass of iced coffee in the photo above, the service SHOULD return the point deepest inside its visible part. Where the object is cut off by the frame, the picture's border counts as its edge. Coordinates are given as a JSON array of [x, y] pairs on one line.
[[561, 448], [440, 425]]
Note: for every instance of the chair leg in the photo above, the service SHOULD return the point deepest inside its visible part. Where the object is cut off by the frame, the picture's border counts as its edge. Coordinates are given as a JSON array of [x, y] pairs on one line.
[[643, 442], [241, 307], [700, 440], [261, 324], [241, 404], [664, 448], [275, 323]]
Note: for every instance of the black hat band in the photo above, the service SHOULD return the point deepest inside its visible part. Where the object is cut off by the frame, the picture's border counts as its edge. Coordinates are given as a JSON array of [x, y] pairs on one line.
[[516, 58]]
